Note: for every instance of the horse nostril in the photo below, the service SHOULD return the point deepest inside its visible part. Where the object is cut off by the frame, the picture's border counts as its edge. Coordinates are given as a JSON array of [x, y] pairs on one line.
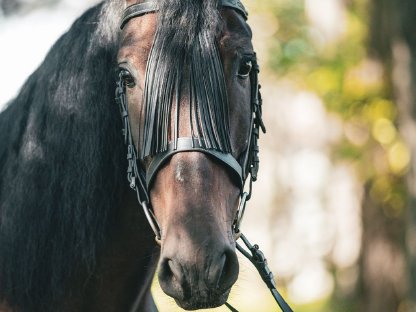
[[176, 270], [227, 271], [171, 278], [221, 270]]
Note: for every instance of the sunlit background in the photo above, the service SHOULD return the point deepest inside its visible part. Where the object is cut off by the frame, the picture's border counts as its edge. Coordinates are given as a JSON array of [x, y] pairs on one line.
[[330, 209]]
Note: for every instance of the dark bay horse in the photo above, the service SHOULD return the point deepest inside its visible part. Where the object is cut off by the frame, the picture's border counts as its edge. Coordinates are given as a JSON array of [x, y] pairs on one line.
[[73, 236]]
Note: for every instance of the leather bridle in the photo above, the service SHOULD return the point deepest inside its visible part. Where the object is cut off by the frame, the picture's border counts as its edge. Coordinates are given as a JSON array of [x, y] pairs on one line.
[[145, 7], [246, 169]]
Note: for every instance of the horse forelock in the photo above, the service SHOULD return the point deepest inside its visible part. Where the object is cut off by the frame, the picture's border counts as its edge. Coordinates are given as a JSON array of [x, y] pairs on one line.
[[184, 51]]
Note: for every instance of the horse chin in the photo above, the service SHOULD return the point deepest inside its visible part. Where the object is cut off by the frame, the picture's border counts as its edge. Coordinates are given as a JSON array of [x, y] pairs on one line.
[[197, 302]]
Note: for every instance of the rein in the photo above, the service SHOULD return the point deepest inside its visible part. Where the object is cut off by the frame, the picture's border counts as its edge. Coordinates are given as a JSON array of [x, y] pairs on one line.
[[140, 180]]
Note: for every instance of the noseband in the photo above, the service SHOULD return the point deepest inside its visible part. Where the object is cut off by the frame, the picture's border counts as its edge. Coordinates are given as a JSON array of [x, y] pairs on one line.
[[246, 169]]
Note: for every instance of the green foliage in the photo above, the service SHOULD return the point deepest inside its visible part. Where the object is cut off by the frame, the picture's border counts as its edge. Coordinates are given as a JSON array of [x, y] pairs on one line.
[[290, 45], [352, 86]]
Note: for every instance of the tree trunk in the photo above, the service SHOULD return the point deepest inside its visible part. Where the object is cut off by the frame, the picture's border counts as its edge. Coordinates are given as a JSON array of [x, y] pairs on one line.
[[383, 264], [393, 41]]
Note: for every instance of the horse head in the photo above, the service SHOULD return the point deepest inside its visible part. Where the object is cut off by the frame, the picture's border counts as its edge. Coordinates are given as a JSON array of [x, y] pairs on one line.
[[188, 78]]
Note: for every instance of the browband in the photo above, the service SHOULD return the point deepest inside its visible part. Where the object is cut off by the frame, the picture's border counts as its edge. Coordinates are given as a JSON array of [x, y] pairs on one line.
[[149, 6]]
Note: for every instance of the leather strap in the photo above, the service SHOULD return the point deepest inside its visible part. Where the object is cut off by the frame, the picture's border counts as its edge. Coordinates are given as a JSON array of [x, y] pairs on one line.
[[236, 5], [188, 144], [150, 6], [138, 9]]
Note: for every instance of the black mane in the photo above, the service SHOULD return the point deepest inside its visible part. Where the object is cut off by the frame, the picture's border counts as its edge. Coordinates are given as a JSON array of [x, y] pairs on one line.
[[61, 166]]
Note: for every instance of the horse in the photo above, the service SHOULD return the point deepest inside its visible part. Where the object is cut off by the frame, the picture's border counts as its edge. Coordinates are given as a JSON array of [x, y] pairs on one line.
[[73, 235]]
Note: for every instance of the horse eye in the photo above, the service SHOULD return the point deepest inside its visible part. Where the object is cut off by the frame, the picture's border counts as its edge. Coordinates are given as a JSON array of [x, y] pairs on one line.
[[127, 78], [245, 69]]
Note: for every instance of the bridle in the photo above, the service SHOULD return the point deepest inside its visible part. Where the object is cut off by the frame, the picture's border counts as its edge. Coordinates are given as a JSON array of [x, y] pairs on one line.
[[245, 169]]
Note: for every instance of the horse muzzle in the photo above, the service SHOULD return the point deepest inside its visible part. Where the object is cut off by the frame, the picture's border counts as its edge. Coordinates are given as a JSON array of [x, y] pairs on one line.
[[200, 278]]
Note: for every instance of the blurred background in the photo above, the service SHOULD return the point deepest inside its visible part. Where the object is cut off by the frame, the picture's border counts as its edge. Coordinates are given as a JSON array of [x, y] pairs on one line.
[[334, 207]]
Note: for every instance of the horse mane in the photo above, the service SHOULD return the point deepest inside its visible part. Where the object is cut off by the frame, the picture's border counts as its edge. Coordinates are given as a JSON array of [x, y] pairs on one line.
[[62, 164]]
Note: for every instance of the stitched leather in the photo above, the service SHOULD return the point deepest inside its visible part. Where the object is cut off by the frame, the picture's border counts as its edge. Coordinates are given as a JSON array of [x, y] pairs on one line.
[[138, 9], [150, 6], [188, 144]]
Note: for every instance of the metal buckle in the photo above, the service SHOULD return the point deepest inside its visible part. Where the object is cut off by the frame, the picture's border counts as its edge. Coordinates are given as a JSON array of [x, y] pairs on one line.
[[240, 215], [151, 218]]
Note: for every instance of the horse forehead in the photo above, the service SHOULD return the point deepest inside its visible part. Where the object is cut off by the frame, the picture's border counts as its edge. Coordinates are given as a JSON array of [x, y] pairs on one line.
[[139, 30], [236, 33], [137, 39], [234, 37]]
